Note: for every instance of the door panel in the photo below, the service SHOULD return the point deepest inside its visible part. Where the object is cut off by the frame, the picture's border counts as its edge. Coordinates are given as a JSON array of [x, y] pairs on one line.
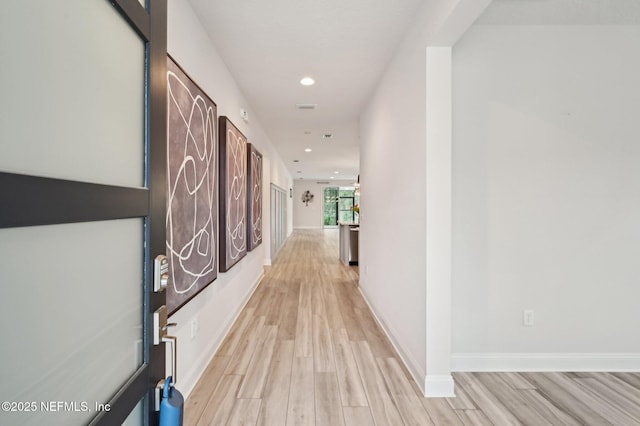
[[83, 196], [278, 219], [77, 83], [67, 343], [137, 416]]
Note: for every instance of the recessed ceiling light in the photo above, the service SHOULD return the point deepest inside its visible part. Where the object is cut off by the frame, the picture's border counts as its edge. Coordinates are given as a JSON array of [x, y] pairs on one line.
[[327, 136], [307, 81], [299, 171], [336, 172], [308, 150], [332, 177], [296, 161]]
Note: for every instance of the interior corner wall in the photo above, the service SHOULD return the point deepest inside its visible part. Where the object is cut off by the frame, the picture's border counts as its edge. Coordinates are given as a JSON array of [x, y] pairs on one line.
[[393, 188], [546, 198], [217, 306], [310, 216], [392, 248]]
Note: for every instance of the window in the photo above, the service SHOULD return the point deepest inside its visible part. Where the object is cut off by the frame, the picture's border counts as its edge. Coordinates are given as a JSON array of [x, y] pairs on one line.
[[338, 206], [330, 206]]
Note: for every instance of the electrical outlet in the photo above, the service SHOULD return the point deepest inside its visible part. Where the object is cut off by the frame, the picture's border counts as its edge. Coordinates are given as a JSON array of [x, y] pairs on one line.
[[194, 327], [527, 318]]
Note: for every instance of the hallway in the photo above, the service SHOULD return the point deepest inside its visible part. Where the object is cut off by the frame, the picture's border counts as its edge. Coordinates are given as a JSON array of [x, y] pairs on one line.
[[306, 350]]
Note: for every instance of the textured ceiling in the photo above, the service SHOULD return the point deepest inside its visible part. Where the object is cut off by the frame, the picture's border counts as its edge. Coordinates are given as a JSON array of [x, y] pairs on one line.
[[343, 44]]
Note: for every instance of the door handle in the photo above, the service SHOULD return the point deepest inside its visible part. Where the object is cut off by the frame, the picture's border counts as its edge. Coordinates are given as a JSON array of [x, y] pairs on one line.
[[160, 327], [173, 342]]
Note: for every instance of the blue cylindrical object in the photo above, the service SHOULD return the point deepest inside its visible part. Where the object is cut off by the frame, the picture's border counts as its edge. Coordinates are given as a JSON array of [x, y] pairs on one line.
[[172, 405]]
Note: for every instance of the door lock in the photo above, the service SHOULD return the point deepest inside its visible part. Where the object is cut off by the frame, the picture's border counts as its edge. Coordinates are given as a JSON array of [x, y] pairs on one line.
[[160, 273]]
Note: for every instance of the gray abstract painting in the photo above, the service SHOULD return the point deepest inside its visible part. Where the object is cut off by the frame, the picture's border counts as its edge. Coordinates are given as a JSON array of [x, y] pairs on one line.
[[192, 198], [254, 197], [233, 194]]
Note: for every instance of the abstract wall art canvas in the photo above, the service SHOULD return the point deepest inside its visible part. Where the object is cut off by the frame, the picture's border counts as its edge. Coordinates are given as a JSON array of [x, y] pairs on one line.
[[192, 206], [233, 194], [254, 197]]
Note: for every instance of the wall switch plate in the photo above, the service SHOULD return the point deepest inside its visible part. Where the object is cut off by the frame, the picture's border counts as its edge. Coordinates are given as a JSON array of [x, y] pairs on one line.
[[527, 318]]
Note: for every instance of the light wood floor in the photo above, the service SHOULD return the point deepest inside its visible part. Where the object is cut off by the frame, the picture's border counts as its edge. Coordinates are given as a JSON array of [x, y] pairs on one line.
[[306, 350]]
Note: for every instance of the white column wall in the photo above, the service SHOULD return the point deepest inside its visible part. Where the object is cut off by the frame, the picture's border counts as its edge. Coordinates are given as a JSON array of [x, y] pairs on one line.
[[438, 380]]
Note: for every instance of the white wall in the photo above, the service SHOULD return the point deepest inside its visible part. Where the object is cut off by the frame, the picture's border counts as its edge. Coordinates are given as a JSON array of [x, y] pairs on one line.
[[216, 307], [311, 216], [546, 197], [393, 195], [392, 206], [393, 254]]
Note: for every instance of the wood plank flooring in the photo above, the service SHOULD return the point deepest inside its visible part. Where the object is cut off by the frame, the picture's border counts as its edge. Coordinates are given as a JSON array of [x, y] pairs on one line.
[[306, 350]]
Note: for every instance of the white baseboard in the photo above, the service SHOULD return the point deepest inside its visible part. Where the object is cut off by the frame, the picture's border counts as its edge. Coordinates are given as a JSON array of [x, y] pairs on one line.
[[267, 261], [618, 362], [409, 362], [187, 384], [439, 386]]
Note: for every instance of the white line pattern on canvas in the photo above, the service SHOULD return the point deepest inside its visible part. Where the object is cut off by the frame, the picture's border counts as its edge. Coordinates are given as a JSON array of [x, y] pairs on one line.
[[236, 207], [256, 198], [202, 234]]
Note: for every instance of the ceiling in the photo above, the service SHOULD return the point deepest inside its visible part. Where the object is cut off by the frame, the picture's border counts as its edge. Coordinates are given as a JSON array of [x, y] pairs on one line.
[[345, 46], [561, 12]]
